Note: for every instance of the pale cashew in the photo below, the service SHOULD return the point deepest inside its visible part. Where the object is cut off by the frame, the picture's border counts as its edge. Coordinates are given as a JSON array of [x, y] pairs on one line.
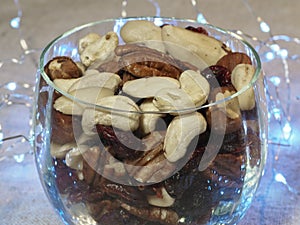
[[127, 121], [143, 31], [65, 84], [207, 48], [181, 131], [60, 151], [147, 87], [241, 76], [172, 99], [97, 79], [74, 159], [162, 201], [195, 85], [148, 120], [91, 95], [87, 40], [102, 49], [230, 107]]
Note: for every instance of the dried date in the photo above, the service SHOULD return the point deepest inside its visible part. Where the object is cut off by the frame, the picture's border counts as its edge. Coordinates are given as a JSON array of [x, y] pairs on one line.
[[124, 145], [217, 76]]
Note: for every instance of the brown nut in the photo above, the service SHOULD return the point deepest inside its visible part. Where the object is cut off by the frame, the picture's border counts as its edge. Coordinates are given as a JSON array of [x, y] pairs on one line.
[[151, 166], [62, 67], [156, 214], [141, 61], [232, 59]]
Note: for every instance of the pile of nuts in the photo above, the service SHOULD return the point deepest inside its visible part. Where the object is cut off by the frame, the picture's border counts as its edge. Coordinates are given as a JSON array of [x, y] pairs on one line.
[[150, 121]]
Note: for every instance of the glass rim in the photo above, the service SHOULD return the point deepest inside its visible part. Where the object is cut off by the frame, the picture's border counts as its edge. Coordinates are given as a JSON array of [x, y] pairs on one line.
[[257, 73]]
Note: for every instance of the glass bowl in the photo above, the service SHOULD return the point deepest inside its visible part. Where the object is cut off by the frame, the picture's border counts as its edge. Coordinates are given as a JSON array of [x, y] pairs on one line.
[[151, 132]]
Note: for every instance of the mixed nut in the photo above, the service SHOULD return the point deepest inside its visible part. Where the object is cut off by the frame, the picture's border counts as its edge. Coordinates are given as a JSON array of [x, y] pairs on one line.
[[135, 132]]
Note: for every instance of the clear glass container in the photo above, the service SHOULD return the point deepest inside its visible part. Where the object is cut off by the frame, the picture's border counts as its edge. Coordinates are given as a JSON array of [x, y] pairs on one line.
[[195, 165]]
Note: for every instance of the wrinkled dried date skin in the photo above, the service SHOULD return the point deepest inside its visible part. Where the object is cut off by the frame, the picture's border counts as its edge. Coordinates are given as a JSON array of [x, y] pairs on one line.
[[109, 137], [200, 30], [217, 73]]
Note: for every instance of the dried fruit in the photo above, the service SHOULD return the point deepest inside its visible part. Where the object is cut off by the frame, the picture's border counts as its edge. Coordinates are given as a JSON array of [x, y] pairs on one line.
[[217, 76], [200, 30], [124, 145], [64, 127]]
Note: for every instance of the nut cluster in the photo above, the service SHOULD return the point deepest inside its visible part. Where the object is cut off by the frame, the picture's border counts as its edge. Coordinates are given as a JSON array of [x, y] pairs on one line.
[[150, 91]]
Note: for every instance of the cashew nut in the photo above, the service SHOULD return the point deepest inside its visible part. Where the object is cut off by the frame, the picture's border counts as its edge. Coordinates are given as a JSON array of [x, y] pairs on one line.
[[181, 131], [97, 79], [147, 87], [195, 85], [143, 30], [171, 99], [148, 120], [162, 201], [230, 107], [102, 49], [207, 48], [87, 40], [155, 214], [74, 159], [128, 120], [60, 151], [241, 76], [90, 95], [65, 84]]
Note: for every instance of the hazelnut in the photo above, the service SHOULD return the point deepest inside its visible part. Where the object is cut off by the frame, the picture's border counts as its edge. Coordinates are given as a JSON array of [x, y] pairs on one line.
[[62, 67]]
